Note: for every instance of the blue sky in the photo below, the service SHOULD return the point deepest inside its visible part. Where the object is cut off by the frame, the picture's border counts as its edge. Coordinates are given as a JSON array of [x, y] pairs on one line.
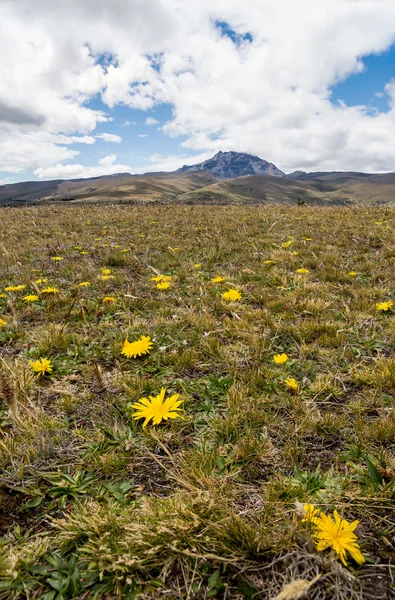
[[367, 88]]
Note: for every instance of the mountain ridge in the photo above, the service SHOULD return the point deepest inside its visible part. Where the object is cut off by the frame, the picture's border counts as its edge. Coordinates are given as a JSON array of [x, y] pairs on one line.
[[228, 165], [224, 178]]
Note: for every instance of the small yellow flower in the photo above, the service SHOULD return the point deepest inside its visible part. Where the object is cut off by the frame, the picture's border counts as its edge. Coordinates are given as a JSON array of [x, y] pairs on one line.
[[137, 348], [232, 295], [31, 298], [291, 383], [352, 273], [307, 239], [125, 250], [56, 258], [384, 305], [163, 285], [41, 366], [84, 252], [3, 323], [311, 513], [157, 408], [14, 288], [197, 265], [218, 279], [41, 280], [108, 300], [3, 296], [84, 284], [106, 277], [302, 270], [280, 359], [106, 271], [50, 290], [339, 535], [287, 244], [294, 253]]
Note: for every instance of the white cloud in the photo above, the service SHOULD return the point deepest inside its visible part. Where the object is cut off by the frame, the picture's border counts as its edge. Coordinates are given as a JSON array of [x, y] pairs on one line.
[[160, 162], [142, 135], [110, 137], [106, 166], [151, 121], [269, 96]]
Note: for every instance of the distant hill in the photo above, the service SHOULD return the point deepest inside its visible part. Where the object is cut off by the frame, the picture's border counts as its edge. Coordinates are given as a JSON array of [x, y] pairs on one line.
[[228, 177], [228, 165], [163, 187]]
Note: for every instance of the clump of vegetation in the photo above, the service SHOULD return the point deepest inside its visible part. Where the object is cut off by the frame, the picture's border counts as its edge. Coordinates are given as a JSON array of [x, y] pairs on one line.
[[197, 403]]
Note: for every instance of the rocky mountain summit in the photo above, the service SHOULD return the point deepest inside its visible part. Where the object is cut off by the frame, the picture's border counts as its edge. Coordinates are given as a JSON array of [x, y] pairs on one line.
[[228, 165]]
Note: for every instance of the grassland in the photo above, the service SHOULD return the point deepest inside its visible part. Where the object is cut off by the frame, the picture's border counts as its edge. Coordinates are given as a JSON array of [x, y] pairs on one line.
[[93, 505]]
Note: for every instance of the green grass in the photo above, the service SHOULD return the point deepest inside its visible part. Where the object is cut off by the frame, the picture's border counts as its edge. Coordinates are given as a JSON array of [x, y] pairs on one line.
[[94, 506]]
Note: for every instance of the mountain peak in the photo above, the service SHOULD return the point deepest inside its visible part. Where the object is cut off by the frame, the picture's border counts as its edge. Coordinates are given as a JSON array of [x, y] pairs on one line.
[[228, 165]]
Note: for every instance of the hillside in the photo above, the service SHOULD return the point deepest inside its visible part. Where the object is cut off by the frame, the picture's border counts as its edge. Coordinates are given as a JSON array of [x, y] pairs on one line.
[[228, 177], [140, 188]]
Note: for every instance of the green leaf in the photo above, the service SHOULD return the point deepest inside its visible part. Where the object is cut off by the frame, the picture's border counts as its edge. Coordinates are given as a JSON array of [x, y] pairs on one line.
[[374, 474], [33, 502]]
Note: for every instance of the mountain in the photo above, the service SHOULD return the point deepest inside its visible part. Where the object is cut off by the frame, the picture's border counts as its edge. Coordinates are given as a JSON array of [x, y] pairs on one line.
[[226, 178], [228, 165]]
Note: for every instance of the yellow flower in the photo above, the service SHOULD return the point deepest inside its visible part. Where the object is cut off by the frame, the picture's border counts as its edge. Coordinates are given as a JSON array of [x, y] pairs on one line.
[[294, 253], [106, 277], [311, 514], [308, 239], [84, 252], [56, 258], [163, 285], [3, 323], [84, 284], [197, 265], [50, 290], [269, 261], [106, 271], [125, 250], [280, 359], [31, 298], [339, 535], [108, 300], [218, 279], [157, 408], [384, 305], [291, 383], [42, 280], [352, 273], [14, 288], [287, 244], [232, 295], [302, 270], [137, 348], [3, 296], [41, 366]]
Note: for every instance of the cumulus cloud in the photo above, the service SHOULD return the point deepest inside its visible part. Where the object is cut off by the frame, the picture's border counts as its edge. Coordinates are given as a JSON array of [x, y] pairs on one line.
[[110, 137], [151, 121], [106, 166], [261, 84]]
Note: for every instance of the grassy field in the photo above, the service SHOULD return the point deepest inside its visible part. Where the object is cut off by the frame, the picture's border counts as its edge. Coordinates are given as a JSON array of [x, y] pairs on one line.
[[211, 504]]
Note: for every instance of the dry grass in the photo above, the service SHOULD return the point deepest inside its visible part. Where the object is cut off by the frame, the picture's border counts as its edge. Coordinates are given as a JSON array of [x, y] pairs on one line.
[[92, 505]]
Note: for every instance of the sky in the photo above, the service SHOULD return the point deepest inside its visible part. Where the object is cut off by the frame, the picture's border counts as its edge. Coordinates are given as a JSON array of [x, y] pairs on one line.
[[92, 87]]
